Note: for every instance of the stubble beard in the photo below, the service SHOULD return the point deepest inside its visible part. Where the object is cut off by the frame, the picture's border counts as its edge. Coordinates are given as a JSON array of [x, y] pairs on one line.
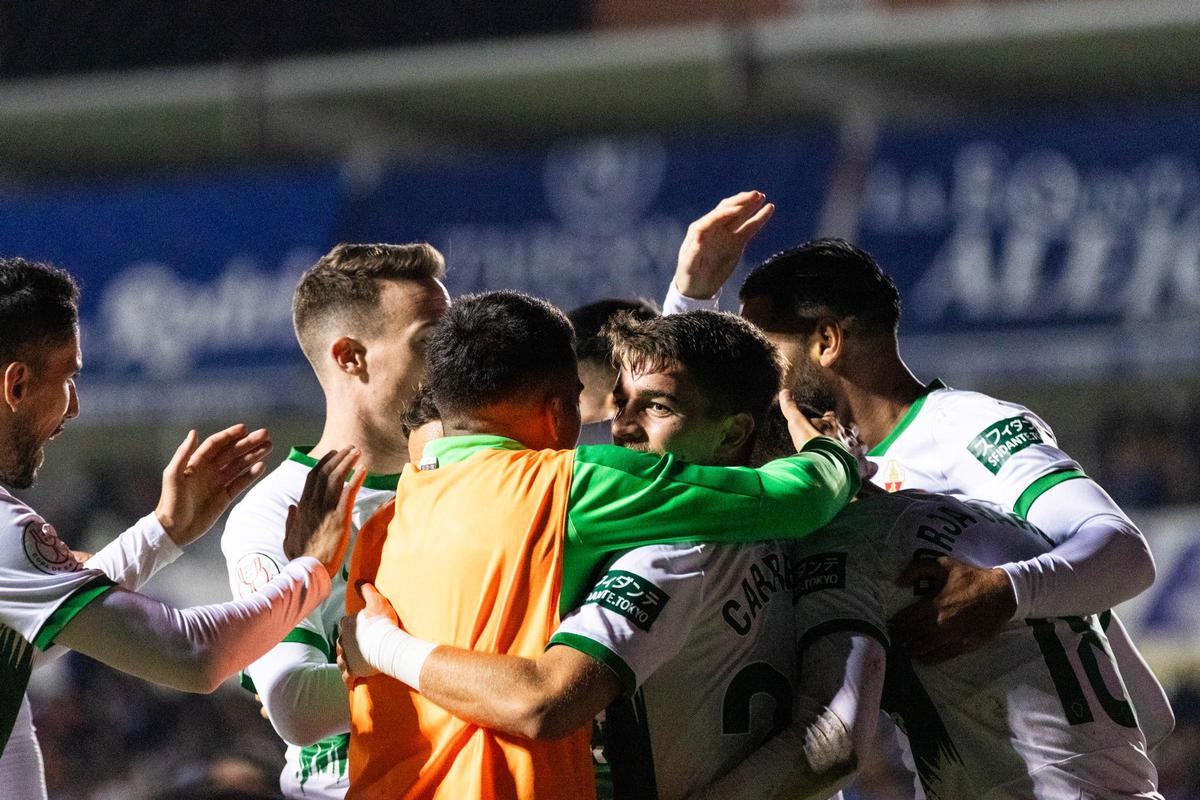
[[811, 388], [27, 455]]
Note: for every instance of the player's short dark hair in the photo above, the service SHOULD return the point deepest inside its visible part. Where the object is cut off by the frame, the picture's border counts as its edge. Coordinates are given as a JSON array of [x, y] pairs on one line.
[[39, 308], [421, 410], [730, 361], [826, 277], [345, 283], [589, 320], [493, 346]]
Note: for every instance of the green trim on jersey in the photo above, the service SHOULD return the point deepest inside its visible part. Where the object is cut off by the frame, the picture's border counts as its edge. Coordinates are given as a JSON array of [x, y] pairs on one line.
[[328, 755], [846, 625], [373, 481], [454, 449], [1040, 487], [596, 650], [16, 663], [67, 610], [910, 415], [312, 639]]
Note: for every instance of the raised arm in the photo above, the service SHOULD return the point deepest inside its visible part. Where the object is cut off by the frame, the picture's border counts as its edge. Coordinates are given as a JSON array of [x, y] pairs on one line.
[[712, 249], [195, 649], [198, 484]]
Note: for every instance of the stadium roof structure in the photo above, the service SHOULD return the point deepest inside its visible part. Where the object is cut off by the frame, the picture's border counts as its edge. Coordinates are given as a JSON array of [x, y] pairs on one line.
[[851, 67]]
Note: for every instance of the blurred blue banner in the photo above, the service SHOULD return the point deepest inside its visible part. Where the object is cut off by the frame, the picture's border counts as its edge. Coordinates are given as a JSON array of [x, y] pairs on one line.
[[594, 219], [188, 282], [1060, 220], [181, 275]]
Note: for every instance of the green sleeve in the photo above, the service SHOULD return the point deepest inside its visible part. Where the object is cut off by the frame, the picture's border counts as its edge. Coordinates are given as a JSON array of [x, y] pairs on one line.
[[622, 499]]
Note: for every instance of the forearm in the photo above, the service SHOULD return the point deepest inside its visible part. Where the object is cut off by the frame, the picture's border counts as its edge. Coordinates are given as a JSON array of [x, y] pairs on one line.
[[504, 693], [195, 649], [302, 693], [1106, 562], [136, 555], [804, 492], [542, 698]]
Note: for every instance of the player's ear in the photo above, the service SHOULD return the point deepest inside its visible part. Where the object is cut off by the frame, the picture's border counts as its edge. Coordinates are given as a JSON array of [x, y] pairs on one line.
[[828, 340], [738, 430], [562, 420], [16, 383], [349, 355]]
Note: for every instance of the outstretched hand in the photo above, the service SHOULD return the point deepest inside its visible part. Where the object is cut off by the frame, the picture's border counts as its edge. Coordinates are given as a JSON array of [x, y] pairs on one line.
[[714, 243], [202, 479], [350, 658], [971, 606], [320, 525]]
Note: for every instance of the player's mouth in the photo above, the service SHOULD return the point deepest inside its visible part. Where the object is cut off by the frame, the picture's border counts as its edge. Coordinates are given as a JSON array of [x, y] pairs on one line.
[[57, 431]]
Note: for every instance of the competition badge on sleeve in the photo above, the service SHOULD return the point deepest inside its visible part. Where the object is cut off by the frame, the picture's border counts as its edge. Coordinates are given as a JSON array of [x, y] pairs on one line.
[[46, 551], [254, 571]]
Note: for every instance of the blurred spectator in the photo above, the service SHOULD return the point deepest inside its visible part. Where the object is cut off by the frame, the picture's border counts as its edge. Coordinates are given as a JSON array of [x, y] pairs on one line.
[[596, 369]]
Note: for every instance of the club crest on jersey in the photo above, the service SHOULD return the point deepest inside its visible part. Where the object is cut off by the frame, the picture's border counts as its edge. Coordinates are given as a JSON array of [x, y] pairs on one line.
[[893, 476], [46, 551], [631, 596], [999, 441], [254, 571]]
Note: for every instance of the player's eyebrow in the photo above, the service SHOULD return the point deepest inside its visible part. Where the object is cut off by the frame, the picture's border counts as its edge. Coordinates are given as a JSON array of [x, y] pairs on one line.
[[658, 395]]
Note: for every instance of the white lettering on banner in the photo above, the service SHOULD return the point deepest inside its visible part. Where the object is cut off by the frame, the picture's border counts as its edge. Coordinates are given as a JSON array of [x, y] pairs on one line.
[[1039, 236], [153, 319], [601, 241]]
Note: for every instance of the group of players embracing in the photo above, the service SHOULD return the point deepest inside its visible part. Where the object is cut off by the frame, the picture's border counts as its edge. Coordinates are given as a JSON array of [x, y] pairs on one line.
[[719, 604]]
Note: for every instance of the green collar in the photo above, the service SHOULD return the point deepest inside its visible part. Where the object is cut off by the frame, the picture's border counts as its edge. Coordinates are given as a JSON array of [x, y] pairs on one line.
[[907, 419], [388, 482], [453, 449]]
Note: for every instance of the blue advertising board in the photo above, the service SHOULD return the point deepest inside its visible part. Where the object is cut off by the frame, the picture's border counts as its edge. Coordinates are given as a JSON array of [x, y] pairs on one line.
[[1026, 222]]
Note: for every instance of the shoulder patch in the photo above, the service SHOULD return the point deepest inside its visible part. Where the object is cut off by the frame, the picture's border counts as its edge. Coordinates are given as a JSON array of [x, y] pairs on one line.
[[46, 551], [254, 571], [998, 442], [822, 571], [629, 595]]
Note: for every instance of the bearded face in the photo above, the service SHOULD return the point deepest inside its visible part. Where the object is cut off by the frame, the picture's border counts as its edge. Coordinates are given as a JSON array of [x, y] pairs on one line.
[[26, 451], [811, 385]]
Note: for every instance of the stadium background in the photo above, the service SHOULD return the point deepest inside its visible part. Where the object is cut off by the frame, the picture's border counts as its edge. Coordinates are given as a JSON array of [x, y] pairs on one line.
[[1028, 171]]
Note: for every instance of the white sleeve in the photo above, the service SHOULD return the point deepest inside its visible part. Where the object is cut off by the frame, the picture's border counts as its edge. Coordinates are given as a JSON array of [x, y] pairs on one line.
[[42, 585], [837, 583], [133, 557], [22, 772], [1101, 558], [677, 303], [1000, 452], [637, 616], [297, 681], [195, 649], [302, 692]]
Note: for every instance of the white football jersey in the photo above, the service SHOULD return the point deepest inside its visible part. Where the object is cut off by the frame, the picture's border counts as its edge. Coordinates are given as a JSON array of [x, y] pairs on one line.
[[971, 445], [1041, 711], [702, 638], [253, 546], [42, 588]]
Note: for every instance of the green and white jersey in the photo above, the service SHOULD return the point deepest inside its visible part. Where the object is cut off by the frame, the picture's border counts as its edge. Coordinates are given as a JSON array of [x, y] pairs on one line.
[[970, 445], [702, 638], [1040, 711], [253, 547], [42, 588]]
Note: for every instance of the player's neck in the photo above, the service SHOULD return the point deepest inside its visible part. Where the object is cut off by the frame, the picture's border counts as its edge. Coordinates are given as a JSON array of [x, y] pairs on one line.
[[878, 403], [383, 453]]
